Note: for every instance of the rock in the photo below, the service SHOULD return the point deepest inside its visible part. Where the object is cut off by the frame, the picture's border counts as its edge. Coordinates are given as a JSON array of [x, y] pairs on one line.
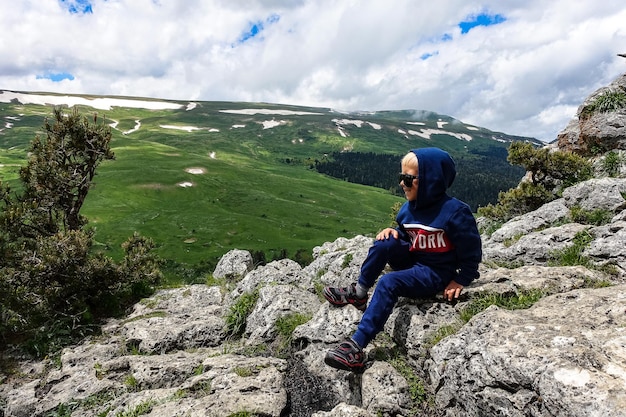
[[384, 390], [344, 410], [600, 130], [535, 238], [597, 194], [542, 218], [564, 356], [284, 271], [608, 247], [552, 280], [176, 319], [170, 354], [277, 302], [233, 265]]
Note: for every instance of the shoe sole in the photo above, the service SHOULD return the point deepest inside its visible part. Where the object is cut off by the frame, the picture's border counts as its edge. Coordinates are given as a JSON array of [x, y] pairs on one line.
[[332, 301], [343, 366]]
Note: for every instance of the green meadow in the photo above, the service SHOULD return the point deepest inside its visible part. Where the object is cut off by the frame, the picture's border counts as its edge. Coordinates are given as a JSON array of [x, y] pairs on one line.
[[202, 181]]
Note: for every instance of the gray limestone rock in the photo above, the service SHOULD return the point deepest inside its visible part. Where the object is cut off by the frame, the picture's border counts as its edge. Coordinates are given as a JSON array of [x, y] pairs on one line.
[[565, 356], [234, 265]]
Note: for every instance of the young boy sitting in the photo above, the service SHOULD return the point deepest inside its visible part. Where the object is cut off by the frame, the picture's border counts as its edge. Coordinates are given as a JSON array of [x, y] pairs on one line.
[[435, 247]]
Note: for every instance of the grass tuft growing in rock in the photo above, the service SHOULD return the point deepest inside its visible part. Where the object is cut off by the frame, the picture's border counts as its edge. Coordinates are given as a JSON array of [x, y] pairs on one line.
[[238, 313], [520, 300], [285, 326], [596, 217], [572, 255]]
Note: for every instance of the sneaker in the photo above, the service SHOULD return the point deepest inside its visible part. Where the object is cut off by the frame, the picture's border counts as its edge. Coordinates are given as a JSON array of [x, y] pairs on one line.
[[348, 356], [343, 296]]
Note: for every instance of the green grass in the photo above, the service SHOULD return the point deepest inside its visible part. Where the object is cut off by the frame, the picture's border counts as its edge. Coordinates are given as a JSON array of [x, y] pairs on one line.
[[597, 217], [243, 203], [285, 327], [610, 100]]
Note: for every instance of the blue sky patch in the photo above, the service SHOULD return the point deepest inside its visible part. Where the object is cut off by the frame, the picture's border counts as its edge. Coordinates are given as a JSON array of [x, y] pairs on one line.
[[77, 6], [482, 19], [56, 77], [427, 55], [255, 28]]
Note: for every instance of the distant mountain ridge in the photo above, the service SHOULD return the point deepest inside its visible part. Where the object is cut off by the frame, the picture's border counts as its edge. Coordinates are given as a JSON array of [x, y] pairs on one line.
[[419, 122], [203, 177]]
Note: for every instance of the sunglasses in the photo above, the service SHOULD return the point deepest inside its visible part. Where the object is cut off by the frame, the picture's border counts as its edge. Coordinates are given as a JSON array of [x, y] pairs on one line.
[[407, 179]]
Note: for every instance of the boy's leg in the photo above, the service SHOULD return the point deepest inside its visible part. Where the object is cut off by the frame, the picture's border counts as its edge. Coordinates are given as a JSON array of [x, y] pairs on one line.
[[418, 281], [392, 251]]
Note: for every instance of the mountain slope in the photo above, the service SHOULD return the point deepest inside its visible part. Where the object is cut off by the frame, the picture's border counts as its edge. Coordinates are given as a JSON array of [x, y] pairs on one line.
[[201, 178]]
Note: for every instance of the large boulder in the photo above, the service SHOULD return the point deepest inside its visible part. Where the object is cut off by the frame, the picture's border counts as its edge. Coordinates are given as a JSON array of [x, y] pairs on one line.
[[565, 356], [607, 130]]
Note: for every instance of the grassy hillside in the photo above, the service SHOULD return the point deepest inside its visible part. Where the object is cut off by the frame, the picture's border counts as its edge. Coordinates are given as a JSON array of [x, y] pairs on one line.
[[201, 180]]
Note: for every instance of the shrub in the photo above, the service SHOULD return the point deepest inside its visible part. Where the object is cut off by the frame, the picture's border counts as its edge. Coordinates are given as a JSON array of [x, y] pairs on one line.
[[548, 174], [517, 201], [611, 164]]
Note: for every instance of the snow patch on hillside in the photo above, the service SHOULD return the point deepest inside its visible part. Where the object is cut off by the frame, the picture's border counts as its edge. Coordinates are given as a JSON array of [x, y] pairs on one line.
[[104, 103], [185, 128], [195, 171], [268, 124], [357, 123], [134, 129], [251, 112], [427, 134], [188, 129]]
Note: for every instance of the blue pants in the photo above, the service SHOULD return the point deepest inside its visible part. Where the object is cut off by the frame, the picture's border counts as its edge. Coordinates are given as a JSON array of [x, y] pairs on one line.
[[409, 279]]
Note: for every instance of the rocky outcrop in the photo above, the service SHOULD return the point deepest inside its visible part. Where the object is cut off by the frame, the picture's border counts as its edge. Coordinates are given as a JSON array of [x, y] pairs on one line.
[[565, 355], [597, 130], [536, 238]]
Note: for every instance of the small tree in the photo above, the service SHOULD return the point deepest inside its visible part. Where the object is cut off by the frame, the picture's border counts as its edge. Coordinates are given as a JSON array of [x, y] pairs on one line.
[[62, 166], [548, 173], [54, 287]]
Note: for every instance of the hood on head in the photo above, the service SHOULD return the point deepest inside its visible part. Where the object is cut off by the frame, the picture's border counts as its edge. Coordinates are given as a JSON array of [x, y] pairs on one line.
[[436, 170]]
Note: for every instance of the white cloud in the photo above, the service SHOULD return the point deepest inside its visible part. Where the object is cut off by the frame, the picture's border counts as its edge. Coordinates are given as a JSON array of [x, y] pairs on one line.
[[524, 76]]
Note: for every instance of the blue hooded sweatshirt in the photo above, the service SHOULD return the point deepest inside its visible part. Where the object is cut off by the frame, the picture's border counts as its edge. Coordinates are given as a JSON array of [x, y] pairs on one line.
[[441, 229]]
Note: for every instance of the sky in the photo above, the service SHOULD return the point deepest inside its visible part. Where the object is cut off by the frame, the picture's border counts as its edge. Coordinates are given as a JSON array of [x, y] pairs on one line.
[[521, 67]]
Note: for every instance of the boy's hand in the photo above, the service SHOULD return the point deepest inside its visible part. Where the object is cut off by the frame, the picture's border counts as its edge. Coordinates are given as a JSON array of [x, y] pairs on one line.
[[452, 291], [387, 233]]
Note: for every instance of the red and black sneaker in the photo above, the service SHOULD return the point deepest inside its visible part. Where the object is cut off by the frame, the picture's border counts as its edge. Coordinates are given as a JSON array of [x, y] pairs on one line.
[[343, 296], [348, 356]]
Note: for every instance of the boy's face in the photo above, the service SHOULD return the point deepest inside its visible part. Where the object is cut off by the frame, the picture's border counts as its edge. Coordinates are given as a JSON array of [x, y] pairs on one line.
[[410, 192]]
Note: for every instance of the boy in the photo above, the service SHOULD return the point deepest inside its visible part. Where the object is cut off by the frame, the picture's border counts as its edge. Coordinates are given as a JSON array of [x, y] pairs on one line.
[[436, 247]]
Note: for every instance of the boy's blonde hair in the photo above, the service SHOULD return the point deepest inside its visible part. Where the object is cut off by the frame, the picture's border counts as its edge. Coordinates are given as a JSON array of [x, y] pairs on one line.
[[410, 160]]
